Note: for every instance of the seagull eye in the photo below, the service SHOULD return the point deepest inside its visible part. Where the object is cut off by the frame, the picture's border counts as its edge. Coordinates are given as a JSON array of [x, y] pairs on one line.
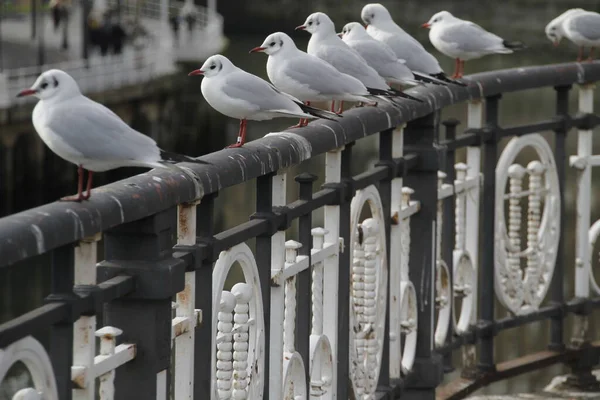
[[272, 44], [310, 23], [44, 85], [372, 15], [213, 66]]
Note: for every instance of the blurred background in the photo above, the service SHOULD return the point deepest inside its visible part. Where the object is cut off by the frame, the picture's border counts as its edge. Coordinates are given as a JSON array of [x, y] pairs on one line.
[[134, 56]]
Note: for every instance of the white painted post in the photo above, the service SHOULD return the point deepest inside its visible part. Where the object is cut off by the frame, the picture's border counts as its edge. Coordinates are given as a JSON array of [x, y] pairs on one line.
[[474, 120], [84, 341], [395, 261], [108, 338], [318, 235], [333, 169], [277, 295], [184, 343], [584, 185], [289, 321]]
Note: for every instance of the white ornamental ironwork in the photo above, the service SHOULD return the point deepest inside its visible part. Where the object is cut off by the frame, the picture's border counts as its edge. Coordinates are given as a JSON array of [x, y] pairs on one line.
[[443, 290], [368, 292], [522, 292], [238, 347], [31, 353]]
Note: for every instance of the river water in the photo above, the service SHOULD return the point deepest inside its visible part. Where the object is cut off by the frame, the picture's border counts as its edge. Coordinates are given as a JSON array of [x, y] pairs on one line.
[[235, 204]]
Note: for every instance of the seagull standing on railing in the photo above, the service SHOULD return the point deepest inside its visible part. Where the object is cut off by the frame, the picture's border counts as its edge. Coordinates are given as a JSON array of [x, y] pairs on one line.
[[382, 27], [241, 95], [307, 77], [327, 45], [88, 134], [381, 57], [579, 26], [464, 40]]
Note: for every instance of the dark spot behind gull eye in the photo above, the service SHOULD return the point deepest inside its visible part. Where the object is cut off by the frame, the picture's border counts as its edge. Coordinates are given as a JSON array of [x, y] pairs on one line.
[[55, 81], [44, 85], [281, 42], [272, 44]]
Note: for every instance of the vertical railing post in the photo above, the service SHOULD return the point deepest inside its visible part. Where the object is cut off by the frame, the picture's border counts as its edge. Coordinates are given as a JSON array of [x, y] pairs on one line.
[[419, 138], [343, 327], [449, 227], [395, 264], [144, 250], [581, 376], [264, 261], [61, 333], [556, 288], [304, 278], [84, 341], [474, 121], [486, 260], [203, 300], [332, 266], [385, 192]]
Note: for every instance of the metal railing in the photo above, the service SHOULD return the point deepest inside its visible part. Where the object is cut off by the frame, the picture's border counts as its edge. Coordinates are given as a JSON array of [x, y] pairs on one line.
[[363, 307]]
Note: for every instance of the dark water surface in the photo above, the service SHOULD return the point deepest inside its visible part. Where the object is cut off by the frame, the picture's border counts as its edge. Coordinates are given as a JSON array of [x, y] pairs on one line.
[[194, 128]]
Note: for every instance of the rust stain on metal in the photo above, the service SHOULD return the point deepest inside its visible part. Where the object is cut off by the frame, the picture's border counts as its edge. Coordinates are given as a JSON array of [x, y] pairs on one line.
[[79, 381], [136, 196], [159, 191], [395, 219], [183, 221]]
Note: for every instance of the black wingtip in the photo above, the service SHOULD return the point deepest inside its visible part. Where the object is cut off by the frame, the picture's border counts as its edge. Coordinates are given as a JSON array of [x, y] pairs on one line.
[[379, 92], [514, 45], [404, 95], [442, 77], [169, 157], [428, 79], [319, 113]]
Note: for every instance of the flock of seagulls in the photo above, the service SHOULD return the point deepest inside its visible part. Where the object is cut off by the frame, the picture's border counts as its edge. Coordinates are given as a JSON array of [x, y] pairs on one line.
[[360, 64]]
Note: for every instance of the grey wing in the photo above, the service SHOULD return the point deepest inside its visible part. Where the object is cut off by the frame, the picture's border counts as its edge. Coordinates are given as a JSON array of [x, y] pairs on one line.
[[99, 134], [345, 60], [256, 91], [588, 25], [471, 37], [383, 59], [321, 76], [417, 58]]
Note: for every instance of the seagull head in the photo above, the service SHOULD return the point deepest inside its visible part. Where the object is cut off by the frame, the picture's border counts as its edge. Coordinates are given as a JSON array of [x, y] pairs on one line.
[[213, 66], [375, 14], [53, 84], [318, 23], [438, 19], [277, 42], [554, 30], [353, 31]]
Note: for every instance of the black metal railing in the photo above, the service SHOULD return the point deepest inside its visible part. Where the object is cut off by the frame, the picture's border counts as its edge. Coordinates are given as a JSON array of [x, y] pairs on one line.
[[160, 241]]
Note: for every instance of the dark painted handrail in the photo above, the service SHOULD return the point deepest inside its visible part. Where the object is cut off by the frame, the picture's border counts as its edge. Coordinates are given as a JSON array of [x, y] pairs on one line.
[[44, 228]]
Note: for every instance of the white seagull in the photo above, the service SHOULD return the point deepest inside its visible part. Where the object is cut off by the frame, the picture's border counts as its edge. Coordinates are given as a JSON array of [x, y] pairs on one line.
[[239, 94], [88, 134], [382, 27], [381, 57], [307, 77], [327, 45], [464, 40], [579, 26]]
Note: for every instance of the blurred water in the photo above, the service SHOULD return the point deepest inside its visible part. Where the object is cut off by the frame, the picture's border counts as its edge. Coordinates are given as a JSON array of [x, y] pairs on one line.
[[194, 128]]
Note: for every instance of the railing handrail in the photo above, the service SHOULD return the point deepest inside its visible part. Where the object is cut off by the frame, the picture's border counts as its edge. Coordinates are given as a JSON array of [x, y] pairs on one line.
[[50, 226]]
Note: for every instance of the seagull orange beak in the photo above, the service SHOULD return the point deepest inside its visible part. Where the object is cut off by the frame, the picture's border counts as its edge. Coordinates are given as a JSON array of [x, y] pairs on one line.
[[426, 25], [26, 92], [555, 43], [258, 49], [196, 72], [301, 27]]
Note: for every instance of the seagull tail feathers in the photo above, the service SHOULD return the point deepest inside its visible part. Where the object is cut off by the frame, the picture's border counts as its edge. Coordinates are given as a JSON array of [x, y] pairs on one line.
[[172, 158], [319, 113]]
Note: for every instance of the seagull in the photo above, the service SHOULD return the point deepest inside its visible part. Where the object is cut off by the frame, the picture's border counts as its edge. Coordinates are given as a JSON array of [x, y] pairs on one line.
[[382, 27], [579, 26], [381, 57], [307, 77], [88, 134], [464, 40], [327, 45], [239, 94]]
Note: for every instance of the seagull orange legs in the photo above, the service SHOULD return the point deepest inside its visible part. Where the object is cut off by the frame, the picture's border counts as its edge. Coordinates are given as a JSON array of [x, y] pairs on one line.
[[80, 196], [582, 50], [459, 68], [241, 135], [303, 121]]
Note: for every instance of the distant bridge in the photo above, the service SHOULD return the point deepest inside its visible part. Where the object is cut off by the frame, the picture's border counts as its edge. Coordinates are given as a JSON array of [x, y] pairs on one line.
[[364, 307], [151, 56]]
